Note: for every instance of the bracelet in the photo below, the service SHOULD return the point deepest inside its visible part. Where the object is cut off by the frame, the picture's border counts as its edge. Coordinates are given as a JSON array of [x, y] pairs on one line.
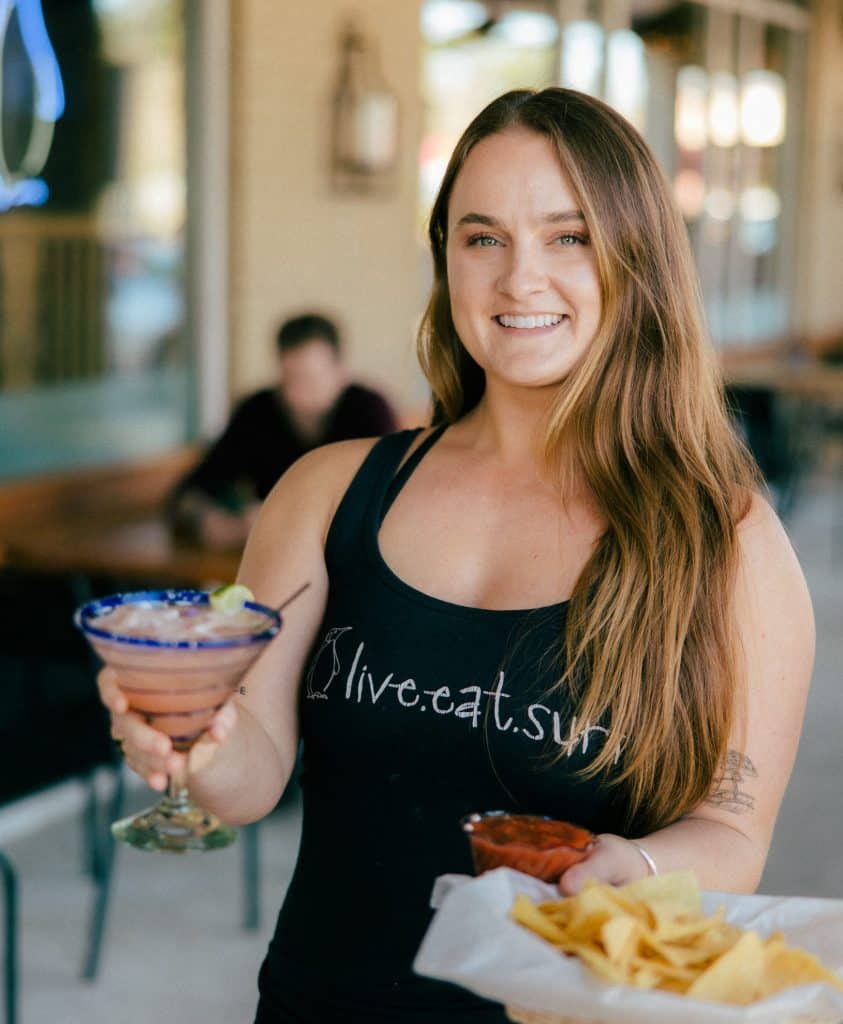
[[651, 864]]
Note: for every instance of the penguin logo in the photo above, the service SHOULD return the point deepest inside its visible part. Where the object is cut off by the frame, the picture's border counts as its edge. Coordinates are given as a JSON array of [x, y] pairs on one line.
[[331, 637]]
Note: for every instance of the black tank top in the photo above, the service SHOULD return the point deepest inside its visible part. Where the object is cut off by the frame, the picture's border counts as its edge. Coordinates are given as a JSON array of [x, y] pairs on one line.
[[414, 712]]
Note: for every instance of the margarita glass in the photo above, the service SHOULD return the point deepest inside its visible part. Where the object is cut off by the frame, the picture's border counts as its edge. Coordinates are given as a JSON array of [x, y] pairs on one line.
[[178, 660]]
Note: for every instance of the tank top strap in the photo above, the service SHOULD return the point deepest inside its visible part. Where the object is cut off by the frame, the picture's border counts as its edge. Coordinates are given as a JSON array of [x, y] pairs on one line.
[[406, 470], [359, 505]]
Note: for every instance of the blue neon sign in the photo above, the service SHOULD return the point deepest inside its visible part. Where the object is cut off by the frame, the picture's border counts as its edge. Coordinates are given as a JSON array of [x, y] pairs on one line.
[[22, 186]]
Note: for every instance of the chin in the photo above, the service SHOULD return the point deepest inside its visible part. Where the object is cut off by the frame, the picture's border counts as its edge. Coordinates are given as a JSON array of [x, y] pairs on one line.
[[534, 378]]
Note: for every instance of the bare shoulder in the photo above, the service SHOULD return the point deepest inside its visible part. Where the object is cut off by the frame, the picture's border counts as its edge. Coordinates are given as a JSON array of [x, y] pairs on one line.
[[759, 513], [764, 546], [329, 461], [773, 602], [287, 541], [316, 482]]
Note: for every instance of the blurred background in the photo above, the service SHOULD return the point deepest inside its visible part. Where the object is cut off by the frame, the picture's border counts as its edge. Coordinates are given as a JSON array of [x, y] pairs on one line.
[[178, 175]]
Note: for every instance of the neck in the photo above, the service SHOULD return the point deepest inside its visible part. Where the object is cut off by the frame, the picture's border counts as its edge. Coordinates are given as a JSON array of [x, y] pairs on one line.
[[509, 427], [509, 423]]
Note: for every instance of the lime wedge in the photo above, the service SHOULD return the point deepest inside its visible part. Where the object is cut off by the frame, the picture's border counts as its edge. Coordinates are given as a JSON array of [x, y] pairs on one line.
[[230, 598]]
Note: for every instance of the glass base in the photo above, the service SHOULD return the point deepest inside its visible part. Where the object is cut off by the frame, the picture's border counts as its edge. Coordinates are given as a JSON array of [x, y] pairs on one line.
[[175, 825]]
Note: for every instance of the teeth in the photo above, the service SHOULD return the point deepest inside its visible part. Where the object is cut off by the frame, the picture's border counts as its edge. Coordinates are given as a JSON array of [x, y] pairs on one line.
[[542, 320]]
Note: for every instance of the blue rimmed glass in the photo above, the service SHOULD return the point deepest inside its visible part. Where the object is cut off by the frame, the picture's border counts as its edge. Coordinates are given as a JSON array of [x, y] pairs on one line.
[[177, 685]]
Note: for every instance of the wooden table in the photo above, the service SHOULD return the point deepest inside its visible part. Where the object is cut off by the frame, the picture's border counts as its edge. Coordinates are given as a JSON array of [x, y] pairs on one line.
[[107, 521], [810, 380], [140, 549]]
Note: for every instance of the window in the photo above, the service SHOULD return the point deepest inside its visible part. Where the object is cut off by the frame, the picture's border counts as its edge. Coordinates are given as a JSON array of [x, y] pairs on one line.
[[712, 88], [472, 52], [93, 354], [722, 122]]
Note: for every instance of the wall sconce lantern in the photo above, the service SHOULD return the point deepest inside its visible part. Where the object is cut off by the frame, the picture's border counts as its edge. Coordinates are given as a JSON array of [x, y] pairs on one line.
[[365, 129]]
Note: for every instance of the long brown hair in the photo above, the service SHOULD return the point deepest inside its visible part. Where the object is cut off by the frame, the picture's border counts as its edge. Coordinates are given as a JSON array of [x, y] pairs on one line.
[[650, 644]]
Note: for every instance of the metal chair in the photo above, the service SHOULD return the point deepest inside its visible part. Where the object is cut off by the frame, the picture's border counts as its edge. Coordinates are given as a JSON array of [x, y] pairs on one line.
[[10, 929]]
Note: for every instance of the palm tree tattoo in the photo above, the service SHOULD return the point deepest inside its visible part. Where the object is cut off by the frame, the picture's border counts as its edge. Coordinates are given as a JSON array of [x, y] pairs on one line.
[[726, 791]]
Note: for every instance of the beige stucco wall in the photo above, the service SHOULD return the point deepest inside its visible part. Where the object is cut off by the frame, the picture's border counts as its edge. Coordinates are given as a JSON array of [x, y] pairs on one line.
[[296, 244], [820, 274]]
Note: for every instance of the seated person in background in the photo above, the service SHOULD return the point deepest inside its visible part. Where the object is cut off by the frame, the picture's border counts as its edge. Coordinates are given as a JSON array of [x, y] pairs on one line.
[[313, 404]]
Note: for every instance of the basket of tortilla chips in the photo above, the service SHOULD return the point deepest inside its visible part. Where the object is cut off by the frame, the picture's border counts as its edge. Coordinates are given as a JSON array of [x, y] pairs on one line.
[[655, 949]]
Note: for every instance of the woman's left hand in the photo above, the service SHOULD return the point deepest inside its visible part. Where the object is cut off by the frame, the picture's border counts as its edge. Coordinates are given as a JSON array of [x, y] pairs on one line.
[[613, 859]]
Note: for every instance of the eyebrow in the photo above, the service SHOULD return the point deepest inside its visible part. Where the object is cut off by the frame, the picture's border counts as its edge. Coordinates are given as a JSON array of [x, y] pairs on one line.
[[549, 218]]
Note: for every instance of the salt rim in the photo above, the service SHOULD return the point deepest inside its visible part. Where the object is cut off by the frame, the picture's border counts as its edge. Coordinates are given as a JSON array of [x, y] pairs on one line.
[[89, 612]]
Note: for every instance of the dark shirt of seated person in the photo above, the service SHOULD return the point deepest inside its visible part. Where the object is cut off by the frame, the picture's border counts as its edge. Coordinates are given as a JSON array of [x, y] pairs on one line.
[[314, 403]]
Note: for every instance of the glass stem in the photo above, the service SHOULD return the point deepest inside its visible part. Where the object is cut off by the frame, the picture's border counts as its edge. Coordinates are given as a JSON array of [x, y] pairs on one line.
[[177, 799]]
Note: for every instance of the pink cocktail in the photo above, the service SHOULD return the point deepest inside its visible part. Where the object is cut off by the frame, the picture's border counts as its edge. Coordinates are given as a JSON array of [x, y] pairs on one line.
[[177, 660]]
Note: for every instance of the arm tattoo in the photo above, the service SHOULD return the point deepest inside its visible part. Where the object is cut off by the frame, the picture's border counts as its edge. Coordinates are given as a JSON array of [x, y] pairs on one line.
[[726, 789]]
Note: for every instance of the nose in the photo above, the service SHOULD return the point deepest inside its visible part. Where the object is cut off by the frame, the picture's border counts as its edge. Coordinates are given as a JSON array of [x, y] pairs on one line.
[[523, 274]]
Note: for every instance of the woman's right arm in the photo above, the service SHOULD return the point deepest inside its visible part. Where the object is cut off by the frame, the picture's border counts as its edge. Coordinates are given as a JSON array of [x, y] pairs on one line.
[[240, 768]]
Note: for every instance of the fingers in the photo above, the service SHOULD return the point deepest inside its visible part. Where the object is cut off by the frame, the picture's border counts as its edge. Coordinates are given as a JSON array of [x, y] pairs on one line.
[[154, 770], [154, 779], [150, 753], [221, 727], [146, 751], [223, 722], [613, 859], [110, 693]]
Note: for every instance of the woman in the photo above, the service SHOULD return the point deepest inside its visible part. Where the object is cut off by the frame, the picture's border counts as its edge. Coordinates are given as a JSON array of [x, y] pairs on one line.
[[569, 599]]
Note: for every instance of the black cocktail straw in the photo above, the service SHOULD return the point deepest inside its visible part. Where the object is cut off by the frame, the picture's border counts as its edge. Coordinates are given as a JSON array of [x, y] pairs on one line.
[[293, 596]]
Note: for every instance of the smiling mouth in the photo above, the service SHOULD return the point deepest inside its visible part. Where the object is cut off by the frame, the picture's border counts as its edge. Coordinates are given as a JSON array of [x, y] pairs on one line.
[[530, 322]]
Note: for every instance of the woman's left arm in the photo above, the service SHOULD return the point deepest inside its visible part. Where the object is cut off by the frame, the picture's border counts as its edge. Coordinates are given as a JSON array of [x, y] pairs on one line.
[[725, 840]]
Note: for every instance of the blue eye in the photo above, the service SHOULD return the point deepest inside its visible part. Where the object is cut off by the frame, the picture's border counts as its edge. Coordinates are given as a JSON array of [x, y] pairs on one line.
[[482, 241], [569, 239]]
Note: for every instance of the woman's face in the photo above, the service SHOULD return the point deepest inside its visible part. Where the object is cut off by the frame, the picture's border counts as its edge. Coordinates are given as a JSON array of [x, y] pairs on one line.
[[522, 275]]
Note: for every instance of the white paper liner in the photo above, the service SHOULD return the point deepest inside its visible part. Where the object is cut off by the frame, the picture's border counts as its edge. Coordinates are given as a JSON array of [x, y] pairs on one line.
[[473, 942]]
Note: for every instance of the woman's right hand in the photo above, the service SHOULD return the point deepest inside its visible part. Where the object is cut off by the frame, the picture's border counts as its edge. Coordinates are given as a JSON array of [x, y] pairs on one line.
[[149, 752]]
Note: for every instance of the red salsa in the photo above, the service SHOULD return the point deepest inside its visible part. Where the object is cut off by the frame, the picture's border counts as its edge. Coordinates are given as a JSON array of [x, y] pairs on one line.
[[537, 846]]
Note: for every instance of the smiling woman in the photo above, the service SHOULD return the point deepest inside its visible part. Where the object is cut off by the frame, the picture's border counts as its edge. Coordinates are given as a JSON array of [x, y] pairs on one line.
[[565, 599], [522, 276], [630, 419]]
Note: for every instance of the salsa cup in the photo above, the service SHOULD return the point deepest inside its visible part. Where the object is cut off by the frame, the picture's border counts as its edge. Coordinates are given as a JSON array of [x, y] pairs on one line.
[[538, 846]]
